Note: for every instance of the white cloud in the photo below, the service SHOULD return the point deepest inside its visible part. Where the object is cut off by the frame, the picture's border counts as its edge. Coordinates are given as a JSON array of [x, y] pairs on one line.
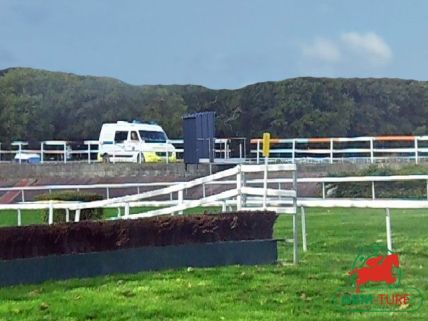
[[349, 53], [370, 45], [322, 49]]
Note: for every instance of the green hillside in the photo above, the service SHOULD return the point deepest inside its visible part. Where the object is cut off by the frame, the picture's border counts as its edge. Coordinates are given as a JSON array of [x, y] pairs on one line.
[[38, 105]]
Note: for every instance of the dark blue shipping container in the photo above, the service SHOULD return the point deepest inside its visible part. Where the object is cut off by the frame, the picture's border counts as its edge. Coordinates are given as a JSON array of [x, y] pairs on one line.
[[198, 132]]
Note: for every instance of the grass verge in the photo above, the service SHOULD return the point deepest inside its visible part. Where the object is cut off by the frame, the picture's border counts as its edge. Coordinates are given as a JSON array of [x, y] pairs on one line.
[[276, 292]]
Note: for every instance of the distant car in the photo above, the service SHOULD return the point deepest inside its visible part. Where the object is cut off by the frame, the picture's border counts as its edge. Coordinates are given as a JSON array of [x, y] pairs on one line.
[[134, 142], [27, 158]]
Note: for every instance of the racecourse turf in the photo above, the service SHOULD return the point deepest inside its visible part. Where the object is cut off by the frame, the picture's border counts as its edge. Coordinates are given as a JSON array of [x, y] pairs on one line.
[[268, 292]]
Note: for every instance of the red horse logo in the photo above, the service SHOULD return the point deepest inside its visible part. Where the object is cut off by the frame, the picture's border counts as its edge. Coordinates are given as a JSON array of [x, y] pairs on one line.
[[378, 269]]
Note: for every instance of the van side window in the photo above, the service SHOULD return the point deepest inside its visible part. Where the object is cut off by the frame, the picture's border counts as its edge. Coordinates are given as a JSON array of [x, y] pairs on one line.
[[120, 136], [134, 136]]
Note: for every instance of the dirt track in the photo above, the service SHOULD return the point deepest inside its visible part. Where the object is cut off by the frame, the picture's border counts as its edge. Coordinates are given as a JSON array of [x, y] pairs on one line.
[[305, 190]]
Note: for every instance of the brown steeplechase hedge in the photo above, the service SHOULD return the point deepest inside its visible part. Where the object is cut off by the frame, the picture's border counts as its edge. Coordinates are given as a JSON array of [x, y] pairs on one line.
[[98, 236]]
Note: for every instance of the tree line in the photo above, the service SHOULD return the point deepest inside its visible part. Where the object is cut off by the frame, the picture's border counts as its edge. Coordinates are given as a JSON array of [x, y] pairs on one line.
[[39, 105]]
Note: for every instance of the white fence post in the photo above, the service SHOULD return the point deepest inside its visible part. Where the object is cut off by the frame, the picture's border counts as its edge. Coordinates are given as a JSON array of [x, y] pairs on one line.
[[295, 240], [41, 152], [126, 215], [293, 155], [373, 191], [265, 185], [416, 149], [302, 211], [295, 223], [89, 153], [19, 217], [238, 188], [388, 230], [243, 184], [258, 151], [65, 153], [323, 190], [77, 216], [180, 199], [371, 150], [331, 150], [67, 215], [50, 213]]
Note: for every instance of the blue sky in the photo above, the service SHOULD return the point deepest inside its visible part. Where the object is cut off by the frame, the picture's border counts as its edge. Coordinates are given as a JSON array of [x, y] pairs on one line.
[[217, 43]]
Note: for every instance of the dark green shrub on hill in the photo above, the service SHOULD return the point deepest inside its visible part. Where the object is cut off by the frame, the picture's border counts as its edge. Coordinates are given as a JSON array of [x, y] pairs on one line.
[[59, 215], [38, 105]]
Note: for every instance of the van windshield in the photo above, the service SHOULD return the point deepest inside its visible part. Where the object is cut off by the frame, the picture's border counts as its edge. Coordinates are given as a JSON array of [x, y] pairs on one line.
[[152, 136]]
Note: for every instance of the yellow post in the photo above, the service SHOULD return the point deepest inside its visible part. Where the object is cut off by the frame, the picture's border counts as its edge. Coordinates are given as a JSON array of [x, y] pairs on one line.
[[266, 144]]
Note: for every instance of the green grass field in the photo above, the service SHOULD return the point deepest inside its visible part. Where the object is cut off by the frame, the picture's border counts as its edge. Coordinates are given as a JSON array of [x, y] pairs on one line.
[[271, 292]]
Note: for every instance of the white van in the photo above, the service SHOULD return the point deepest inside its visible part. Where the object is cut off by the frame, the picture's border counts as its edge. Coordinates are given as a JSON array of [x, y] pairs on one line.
[[134, 142]]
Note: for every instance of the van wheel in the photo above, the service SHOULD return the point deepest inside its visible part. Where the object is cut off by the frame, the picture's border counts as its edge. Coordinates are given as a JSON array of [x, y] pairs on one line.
[[106, 159], [142, 158]]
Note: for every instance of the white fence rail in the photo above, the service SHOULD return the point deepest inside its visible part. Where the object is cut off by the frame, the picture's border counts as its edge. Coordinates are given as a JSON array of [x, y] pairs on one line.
[[340, 149], [271, 181], [61, 150], [365, 149], [361, 203]]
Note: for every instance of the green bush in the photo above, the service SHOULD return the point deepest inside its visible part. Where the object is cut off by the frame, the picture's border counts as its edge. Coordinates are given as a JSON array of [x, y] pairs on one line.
[[59, 215], [403, 189]]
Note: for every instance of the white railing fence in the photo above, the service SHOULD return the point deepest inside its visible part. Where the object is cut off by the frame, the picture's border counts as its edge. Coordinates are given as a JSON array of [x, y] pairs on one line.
[[279, 182], [62, 151], [388, 205], [339, 149], [367, 149], [66, 151], [278, 200], [241, 196]]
